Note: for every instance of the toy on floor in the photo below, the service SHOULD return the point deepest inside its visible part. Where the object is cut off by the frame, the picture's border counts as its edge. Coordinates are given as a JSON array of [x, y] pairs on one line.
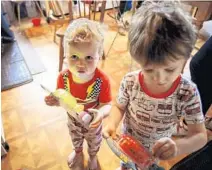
[[69, 103], [132, 153]]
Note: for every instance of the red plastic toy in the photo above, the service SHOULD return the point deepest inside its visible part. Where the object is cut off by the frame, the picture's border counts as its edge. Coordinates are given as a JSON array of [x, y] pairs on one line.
[[135, 151]]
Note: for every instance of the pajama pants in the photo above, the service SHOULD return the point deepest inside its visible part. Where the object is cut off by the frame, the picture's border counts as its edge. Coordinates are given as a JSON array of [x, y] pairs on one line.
[[78, 133]]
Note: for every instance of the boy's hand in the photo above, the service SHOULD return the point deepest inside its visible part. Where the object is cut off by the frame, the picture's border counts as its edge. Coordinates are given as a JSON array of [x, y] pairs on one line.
[[109, 131], [98, 117], [165, 148], [51, 101]]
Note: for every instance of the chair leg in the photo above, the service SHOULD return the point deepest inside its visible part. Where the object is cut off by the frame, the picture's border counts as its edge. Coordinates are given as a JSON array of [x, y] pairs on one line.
[[112, 43], [103, 56], [19, 15], [61, 54], [54, 38], [38, 6]]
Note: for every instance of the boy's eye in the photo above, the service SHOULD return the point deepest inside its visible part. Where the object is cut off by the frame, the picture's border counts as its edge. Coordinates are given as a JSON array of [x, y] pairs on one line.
[[149, 70], [89, 58], [74, 57], [170, 70]]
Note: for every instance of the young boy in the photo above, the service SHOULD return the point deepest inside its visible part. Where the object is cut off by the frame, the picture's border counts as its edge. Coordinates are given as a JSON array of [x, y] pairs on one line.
[[83, 47], [151, 100]]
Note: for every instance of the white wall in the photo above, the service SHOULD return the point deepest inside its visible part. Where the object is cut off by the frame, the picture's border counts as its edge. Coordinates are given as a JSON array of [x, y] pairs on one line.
[[207, 28]]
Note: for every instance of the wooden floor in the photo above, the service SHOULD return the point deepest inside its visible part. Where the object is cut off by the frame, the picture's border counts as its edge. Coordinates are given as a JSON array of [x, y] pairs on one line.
[[37, 134]]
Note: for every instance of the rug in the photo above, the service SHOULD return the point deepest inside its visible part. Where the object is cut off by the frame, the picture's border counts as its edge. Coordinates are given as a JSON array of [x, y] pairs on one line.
[[31, 57], [42, 30], [14, 71]]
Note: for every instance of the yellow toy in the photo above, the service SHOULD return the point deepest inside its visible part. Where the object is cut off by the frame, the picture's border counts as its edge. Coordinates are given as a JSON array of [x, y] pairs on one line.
[[68, 101]]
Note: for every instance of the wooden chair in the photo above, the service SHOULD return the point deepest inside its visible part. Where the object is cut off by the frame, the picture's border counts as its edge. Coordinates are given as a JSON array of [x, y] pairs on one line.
[[201, 11], [18, 3], [84, 11], [125, 20], [55, 15]]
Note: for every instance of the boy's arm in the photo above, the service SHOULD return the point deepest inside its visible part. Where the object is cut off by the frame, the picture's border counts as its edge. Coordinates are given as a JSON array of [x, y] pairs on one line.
[[100, 112], [118, 110], [197, 136], [116, 116], [104, 108], [113, 121], [196, 139], [166, 148]]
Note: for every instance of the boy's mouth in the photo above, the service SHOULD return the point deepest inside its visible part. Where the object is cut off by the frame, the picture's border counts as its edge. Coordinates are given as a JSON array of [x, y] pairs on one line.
[[81, 71], [161, 84]]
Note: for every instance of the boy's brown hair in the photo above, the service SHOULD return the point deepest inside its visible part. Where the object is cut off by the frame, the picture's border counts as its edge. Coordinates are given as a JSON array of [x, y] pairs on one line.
[[159, 30]]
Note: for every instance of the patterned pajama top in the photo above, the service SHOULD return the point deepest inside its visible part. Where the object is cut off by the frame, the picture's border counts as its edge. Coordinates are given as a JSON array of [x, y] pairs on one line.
[[149, 117]]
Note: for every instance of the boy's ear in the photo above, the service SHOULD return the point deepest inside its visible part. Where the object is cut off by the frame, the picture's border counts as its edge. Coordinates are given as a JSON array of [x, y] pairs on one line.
[[101, 53], [102, 56]]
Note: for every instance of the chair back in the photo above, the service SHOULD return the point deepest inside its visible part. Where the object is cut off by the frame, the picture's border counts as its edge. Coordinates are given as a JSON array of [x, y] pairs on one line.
[[87, 9], [63, 10]]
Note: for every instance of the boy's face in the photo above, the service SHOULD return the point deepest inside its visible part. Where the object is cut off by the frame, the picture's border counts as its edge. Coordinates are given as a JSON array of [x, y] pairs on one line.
[[160, 77], [83, 59]]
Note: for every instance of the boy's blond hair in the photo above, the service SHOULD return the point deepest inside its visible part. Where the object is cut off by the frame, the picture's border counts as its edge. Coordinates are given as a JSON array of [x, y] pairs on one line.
[[81, 31], [159, 30]]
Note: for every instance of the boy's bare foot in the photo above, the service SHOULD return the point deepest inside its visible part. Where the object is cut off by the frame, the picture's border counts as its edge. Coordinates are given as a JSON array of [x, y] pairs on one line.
[[92, 163], [75, 159]]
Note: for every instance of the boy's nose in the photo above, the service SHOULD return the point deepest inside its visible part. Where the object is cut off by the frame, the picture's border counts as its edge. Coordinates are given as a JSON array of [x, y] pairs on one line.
[[80, 63], [159, 78]]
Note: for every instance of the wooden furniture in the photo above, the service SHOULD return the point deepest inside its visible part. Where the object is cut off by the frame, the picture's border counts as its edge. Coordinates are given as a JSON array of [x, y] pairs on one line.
[[124, 21], [19, 2], [56, 15], [4, 145], [91, 14], [203, 11]]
